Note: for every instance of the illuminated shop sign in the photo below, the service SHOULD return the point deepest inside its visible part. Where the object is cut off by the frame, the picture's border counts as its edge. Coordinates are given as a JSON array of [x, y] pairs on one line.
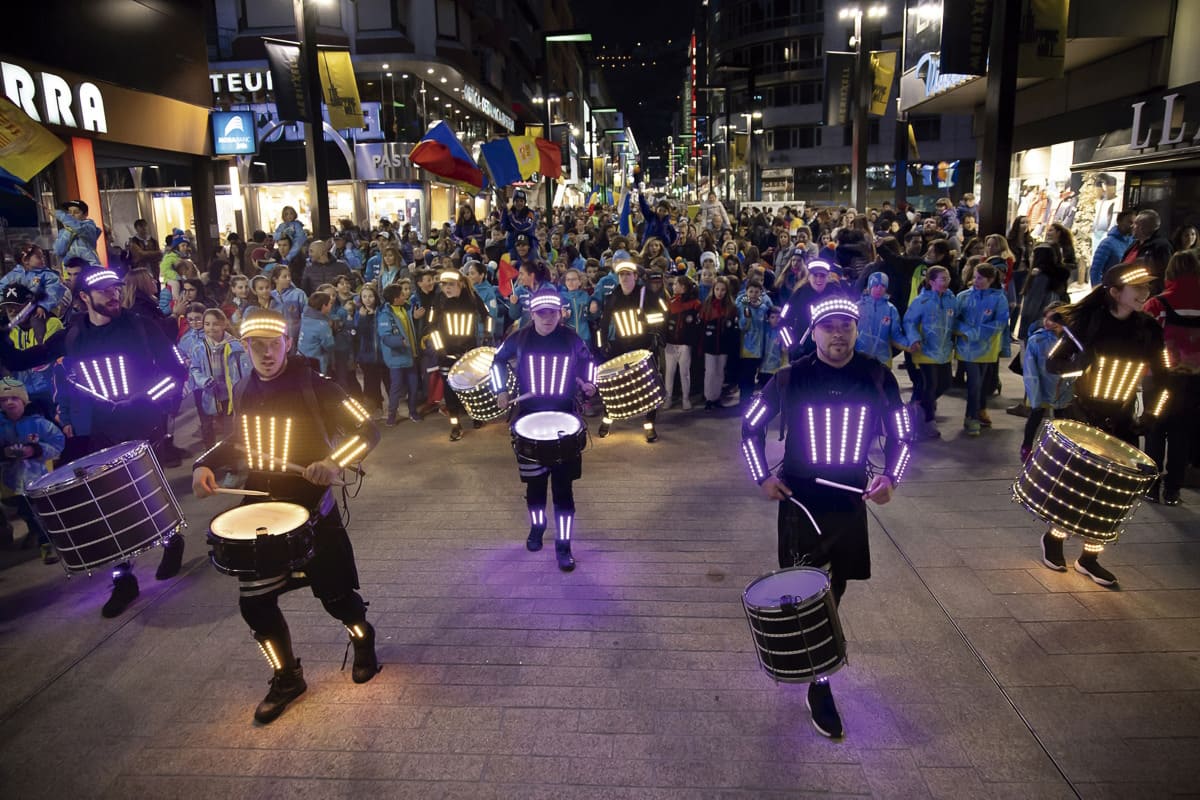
[[477, 101], [49, 98]]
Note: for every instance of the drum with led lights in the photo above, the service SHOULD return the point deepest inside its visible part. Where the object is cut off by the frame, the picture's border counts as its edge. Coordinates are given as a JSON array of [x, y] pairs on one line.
[[261, 540], [794, 622], [549, 438], [629, 385], [470, 378], [106, 507], [1081, 480]]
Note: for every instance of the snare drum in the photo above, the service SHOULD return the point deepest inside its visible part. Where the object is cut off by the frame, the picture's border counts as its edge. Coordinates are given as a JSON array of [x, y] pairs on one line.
[[261, 540], [1083, 481], [795, 625], [470, 378], [629, 385], [549, 438], [105, 507]]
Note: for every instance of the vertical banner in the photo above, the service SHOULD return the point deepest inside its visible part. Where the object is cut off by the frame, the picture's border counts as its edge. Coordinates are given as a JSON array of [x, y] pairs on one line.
[[283, 60], [339, 88], [883, 70], [966, 34], [1043, 47], [534, 131], [26, 148], [839, 82]]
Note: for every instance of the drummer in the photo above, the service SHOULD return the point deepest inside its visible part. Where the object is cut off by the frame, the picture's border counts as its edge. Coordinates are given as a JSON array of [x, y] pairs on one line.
[[318, 426], [631, 320], [1117, 340], [560, 351], [834, 402], [455, 326]]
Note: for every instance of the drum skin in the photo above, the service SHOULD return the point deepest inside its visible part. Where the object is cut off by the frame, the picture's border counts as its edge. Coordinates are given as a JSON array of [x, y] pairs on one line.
[[1080, 480], [236, 549], [470, 378], [629, 385], [106, 507], [549, 438], [794, 623]]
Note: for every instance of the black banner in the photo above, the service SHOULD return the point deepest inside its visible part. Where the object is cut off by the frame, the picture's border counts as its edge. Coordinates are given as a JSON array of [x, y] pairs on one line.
[[839, 83], [966, 33], [283, 59]]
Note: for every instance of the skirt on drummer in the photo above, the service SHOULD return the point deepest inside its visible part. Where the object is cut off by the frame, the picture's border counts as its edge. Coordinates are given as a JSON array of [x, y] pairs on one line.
[[841, 542]]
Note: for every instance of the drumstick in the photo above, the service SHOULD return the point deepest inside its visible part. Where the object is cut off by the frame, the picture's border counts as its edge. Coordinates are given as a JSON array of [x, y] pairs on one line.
[[516, 400], [242, 492], [289, 466], [816, 527], [845, 487]]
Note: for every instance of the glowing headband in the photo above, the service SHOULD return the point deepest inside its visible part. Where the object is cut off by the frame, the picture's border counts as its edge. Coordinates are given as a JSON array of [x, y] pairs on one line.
[[263, 325], [540, 301], [101, 276], [625, 266], [834, 306], [451, 276]]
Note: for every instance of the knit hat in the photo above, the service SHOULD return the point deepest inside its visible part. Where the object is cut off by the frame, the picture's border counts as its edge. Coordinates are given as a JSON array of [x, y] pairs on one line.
[[11, 387], [708, 255], [877, 279]]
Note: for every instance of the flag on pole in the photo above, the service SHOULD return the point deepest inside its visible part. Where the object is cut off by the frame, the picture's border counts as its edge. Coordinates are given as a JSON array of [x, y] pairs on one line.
[[26, 148], [441, 153], [516, 158]]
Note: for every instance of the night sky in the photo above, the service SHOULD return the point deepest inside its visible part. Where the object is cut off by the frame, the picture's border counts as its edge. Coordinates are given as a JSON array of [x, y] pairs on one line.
[[651, 32]]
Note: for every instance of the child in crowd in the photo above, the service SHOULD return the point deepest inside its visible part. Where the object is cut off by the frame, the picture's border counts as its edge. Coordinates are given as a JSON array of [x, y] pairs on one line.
[[929, 331], [239, 298], [1048, 394], [487, 292], [576, 300], [708, 276], [775, 347], [292, 302], [316, 333], [879, 325], [217, 363], [719, 316], [27, 441], [398, 341], [33, 272], [683, 332], [368, 352], [752, 320], [31, 332], [981, 313]]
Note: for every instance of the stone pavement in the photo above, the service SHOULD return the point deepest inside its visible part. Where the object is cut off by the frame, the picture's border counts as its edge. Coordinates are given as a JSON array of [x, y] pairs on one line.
[[974, 673]]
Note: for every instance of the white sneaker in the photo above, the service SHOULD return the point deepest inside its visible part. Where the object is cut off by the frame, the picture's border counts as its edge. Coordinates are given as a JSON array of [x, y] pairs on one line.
[[687, 405]]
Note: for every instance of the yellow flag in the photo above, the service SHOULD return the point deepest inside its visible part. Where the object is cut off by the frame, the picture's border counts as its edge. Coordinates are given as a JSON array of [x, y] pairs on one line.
[[25, 146], [883, 68], [340, 89], [525, 149]]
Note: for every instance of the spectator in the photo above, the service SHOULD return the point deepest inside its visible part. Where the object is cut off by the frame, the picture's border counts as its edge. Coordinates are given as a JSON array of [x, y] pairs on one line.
[[1112, 247]]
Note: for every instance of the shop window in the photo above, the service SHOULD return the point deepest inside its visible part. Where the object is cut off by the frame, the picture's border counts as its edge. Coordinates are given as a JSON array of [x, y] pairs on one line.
[[447, 19], [927, 129], [382, 15]]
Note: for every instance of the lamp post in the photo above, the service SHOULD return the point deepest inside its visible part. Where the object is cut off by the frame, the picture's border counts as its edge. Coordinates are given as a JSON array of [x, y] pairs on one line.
[[554, 37], [860, 101], [751, 117], [314, 134]]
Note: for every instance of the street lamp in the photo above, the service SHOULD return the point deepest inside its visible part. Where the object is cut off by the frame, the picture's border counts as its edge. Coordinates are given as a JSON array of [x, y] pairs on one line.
[[860, 100], [555, 37]]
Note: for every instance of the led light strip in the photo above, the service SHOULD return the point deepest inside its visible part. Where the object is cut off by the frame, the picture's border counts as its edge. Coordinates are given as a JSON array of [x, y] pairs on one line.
[[349, 452], [353, 408], [757, 471]]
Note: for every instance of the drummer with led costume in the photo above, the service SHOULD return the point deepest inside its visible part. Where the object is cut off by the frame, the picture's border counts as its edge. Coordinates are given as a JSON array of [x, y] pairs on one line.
[[834, 402], [631, 318], [130, 372], [320, 428], [455, 326], [551, 364], [1110, 344]]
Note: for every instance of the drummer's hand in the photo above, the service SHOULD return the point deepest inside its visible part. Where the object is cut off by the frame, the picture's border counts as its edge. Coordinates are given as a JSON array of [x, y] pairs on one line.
[[775, 489], [321, 473], [589, 389], [880, 490], [204, 482], [502, 399]]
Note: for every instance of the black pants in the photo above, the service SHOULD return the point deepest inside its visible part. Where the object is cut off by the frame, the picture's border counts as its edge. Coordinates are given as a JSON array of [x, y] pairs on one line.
[[25, 512], [935, 381], [1171, 440], [560, 480], [375, 379]]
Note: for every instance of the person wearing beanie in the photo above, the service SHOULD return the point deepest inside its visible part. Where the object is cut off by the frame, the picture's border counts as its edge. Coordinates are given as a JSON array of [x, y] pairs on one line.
[[27, 441], [880, 328]]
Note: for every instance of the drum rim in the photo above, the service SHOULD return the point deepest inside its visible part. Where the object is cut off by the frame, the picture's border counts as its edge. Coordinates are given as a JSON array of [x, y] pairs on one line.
[[1136, 457], [746, 601], [250, 506], [623, 360], [456, 368], [134, 448]]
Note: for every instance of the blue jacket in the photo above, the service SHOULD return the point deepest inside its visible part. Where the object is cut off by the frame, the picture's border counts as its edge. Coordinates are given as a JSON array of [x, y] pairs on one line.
[[316, 338], [578, 301], [292, 304], [187, 342], [1110, 251], [399, 351], [372, 267], [48, 290], [516, 226], [472, 230], [754, 325], [32, 429], [980, 324], [662, 229], [879, 326], [213, 385], [294, 230], [77, 238], [1044, 389], [774, 351], [339, 320], [930, 321], [490, 296], [367, 349]]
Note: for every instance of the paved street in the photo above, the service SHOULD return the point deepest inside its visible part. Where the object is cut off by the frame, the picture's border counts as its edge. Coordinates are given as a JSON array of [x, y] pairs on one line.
[[974, 673]]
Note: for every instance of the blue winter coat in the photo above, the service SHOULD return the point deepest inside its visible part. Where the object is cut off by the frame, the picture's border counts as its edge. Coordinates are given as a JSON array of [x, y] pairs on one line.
[[1109, 252], [578, 301], [45, 284], [663, 230], [399, 351], [76, 239], [754, 326], [930, 321], [294, 230], [292, 304], [34, 429], [774, 351], [879, 327], [980, 324], [372, 267], [490, 296], [1043, 388], [234, 366], [316, 338]]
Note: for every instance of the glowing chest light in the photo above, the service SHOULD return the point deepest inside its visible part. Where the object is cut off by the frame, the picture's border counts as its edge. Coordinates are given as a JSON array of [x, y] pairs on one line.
[[268, 442], [459, 325], [1114, 380], [108, 379], [548, 373], [629, 323], [836, 435]]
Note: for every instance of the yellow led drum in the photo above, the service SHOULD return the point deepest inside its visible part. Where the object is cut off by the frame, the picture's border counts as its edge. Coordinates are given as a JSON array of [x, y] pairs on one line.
[[470, 378], [1083, 481], [629, 385]]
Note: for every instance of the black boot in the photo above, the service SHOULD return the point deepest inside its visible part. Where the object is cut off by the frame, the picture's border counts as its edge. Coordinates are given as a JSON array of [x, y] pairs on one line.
[[456, 431], [1152, 494], [172, 558], [562, 551], [288, 681], [124, 591], [825, 716], [537, 528], [1052, 552], [605, 425], [362, 638]]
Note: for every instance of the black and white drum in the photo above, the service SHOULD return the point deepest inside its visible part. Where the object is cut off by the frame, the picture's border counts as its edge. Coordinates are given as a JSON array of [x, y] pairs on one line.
[[106, 507], [1082, 481], [470, 378], [261, 540], [630, 385], [549, 438], [795, 625]]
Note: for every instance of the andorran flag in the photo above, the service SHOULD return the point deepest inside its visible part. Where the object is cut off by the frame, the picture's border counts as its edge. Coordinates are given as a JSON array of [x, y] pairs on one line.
[[442, 154], [516, 158]]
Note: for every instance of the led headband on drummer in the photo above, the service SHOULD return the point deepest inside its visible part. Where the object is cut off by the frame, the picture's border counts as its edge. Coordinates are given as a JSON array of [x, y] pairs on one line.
[[450, 276], [262, 325], [836, 306], [545, 301]]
